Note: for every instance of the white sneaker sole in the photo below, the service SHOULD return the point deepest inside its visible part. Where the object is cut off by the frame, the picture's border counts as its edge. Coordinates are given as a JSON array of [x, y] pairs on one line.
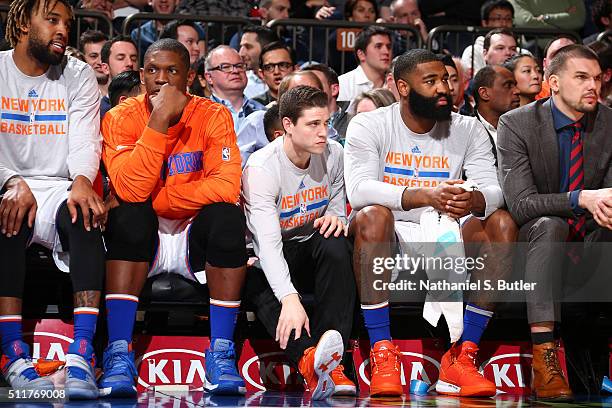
[[443, 387], [328, 355], [345, 390]]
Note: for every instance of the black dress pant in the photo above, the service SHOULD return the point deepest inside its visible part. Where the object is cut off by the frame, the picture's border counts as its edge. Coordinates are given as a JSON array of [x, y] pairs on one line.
[[323, 267]]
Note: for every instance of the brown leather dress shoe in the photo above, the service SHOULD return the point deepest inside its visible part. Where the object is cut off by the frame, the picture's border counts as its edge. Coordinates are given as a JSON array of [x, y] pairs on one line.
[[548, 381]]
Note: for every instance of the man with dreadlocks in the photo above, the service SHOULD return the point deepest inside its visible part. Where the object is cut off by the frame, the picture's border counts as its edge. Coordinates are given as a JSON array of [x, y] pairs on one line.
[[49, 157]]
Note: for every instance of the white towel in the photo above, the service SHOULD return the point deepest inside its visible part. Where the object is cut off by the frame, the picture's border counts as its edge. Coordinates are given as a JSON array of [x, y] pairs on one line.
[[445, 232]]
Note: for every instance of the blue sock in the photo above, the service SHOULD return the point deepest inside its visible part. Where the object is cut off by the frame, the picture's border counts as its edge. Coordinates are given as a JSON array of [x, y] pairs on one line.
[[120, 316], [376, 318], [10, 331], [223, 316], [475, 322], [85, 319]]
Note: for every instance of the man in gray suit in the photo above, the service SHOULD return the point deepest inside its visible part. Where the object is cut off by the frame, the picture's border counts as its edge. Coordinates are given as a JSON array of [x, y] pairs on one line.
[[555, 163]]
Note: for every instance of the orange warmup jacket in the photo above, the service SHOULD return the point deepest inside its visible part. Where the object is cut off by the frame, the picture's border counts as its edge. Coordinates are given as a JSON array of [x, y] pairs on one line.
[[195, 164]]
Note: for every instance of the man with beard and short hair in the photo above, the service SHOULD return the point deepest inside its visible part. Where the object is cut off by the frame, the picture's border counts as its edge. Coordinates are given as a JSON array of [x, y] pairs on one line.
[[49, 158], [400, 161], [555, 162], [90, 44], [495, 93]]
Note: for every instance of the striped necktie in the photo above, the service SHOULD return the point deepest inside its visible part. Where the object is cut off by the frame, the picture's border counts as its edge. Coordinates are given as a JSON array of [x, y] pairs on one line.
[[576, 182]]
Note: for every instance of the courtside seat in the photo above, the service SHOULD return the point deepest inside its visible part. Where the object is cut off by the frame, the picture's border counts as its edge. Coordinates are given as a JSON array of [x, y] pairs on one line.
[[172, 290], [48, 291]]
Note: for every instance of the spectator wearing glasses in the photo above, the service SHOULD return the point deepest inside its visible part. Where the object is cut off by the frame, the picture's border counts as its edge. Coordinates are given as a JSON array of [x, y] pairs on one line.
[[275, 62], [226, 76], [494, 14]]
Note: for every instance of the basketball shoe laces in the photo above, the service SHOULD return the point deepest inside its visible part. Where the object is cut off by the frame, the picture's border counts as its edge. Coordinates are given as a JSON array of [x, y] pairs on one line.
[[468, 360], [119, 364], [338, 373], [224, 361], [386, 361]]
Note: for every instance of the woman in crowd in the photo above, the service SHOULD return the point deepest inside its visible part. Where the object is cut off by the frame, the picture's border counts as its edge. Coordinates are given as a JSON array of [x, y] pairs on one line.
[[528, 76], [603, 49], [372, 100]]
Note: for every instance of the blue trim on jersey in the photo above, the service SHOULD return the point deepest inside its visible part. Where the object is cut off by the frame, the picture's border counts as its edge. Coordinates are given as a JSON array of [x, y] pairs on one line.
[[50, 118], [441, 174], [409, 172], [393, 170], [15, 116], [309, 207], [37, 118]]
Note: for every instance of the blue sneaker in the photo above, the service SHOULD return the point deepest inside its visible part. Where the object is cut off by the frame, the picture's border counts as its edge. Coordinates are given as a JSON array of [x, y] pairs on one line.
[[221, 374], [80, 375], [19, 371], [119, 377]]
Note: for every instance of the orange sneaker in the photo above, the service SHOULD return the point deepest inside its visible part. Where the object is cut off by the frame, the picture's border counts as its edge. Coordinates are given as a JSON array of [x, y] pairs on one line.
[[459, 375], [386, 365], [318, 362], [342, 385]]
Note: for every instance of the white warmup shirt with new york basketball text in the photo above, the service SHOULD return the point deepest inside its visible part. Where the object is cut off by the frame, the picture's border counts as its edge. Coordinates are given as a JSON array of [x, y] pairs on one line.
[[282, 202], [50, 124], [383, 158]]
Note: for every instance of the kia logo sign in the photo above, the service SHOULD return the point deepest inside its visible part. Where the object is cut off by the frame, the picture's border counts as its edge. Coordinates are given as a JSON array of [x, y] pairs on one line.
[[421, 367], [171, 366], [506, 370], [271, 369], [51, 346]]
